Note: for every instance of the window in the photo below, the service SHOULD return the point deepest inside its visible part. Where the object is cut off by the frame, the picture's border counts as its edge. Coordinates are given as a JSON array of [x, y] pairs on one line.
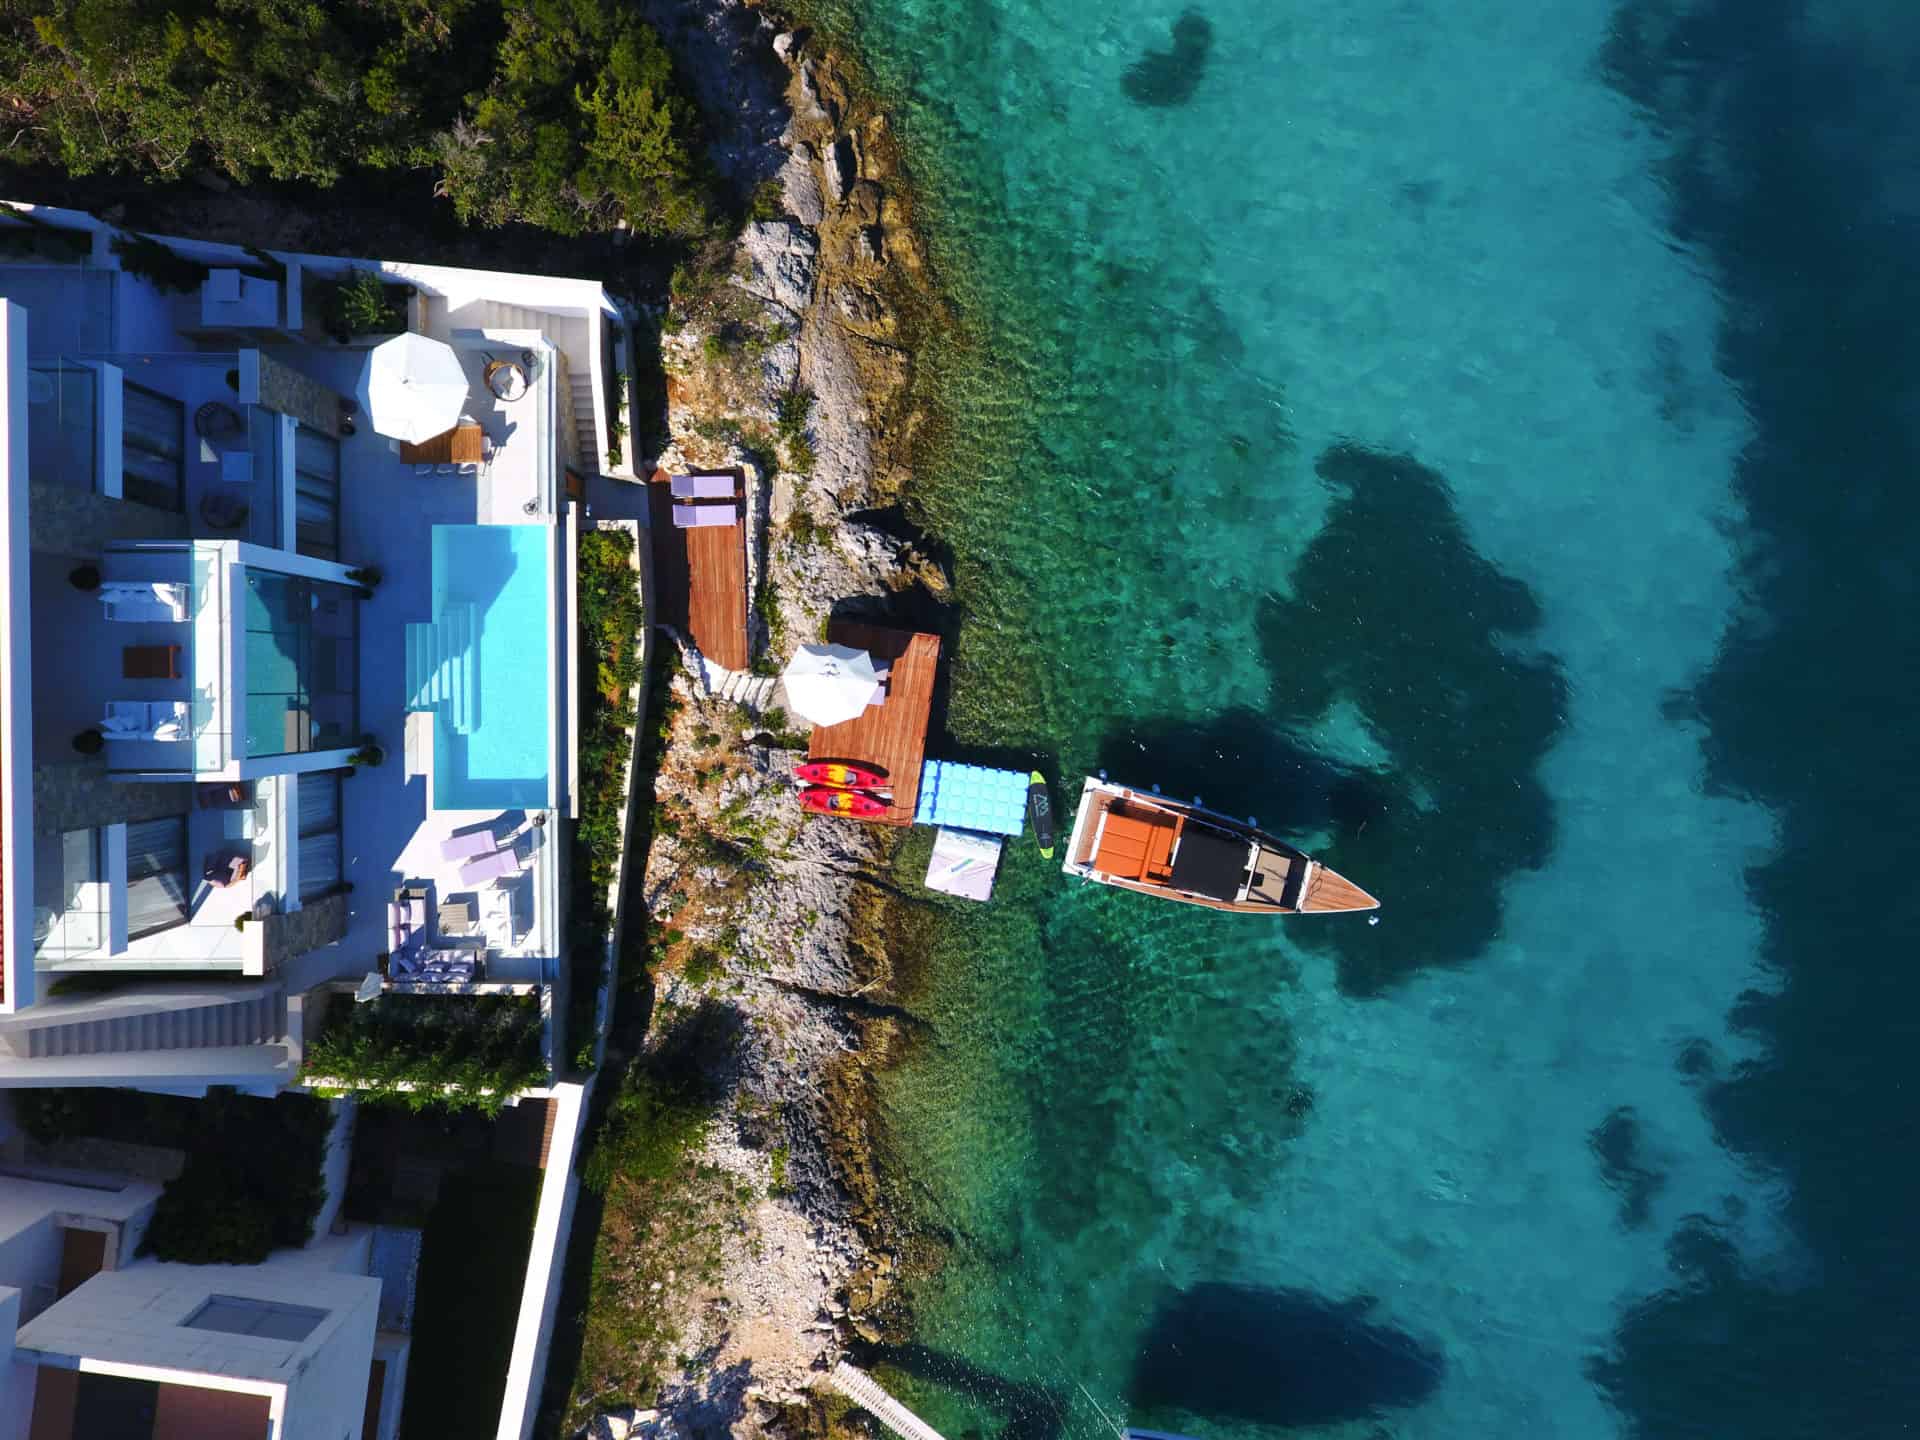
[[316, 494], [153, 447], [234, 1315], [302, 664], [156, 875], [67, 898], [319, 835]]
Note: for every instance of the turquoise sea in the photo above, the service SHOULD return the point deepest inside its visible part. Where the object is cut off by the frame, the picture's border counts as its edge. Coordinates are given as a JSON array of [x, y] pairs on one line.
[[1478, 440]]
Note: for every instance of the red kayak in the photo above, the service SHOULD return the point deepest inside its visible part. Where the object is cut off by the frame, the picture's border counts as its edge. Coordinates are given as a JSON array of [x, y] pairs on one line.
[[822, 801], [840, 775]]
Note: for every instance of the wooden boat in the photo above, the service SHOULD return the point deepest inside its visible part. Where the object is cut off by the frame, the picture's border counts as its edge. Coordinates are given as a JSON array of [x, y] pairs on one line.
[[1179, 851], [1040, 813], [823, 801], [840, 774]]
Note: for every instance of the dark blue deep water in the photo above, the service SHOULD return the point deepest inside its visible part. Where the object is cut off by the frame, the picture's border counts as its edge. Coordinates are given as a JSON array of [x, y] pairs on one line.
[[1479, 439]]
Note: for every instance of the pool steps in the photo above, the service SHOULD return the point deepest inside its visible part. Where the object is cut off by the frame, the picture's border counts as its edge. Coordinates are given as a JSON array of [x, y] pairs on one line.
[[440, 666]]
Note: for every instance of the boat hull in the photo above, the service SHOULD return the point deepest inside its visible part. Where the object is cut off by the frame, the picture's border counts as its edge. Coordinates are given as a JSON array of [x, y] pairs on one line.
[[1169, 849]]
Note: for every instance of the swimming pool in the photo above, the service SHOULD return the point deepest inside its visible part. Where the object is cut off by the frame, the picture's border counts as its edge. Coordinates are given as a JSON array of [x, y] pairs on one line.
[[496, 757]]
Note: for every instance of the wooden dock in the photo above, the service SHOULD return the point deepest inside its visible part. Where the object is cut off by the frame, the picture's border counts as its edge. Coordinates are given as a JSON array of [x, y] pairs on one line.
[[870, 1396], [701, 575], [893, 736]]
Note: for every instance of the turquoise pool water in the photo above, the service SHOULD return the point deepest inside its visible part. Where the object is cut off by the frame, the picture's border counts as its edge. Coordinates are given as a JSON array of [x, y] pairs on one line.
[[505, 573]]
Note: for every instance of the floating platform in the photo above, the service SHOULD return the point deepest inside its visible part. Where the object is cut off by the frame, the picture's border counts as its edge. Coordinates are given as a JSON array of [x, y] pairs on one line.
[[964, 864], [972, 797]]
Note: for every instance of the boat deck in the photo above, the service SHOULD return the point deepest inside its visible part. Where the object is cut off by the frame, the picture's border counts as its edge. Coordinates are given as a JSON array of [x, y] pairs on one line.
[[701, 575], [892, 736]]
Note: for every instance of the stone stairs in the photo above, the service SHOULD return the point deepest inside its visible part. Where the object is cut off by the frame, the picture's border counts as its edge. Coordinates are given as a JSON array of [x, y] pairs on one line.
[[440, 665], [257, 1017], [743, 688]]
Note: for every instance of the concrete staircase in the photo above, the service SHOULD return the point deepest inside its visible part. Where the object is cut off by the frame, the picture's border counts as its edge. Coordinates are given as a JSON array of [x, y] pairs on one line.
[[440, 665], [585, 433], [256, 1017]]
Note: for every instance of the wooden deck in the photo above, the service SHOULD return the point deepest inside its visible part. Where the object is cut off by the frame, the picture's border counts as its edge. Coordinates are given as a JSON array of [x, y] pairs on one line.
[[893, 736], [701, 576]]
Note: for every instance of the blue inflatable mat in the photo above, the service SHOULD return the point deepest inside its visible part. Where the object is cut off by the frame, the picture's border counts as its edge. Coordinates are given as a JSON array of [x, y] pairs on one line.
[[972, 797]]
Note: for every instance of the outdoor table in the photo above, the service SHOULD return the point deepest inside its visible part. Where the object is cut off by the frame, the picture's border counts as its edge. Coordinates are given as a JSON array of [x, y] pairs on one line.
[[458, 446]]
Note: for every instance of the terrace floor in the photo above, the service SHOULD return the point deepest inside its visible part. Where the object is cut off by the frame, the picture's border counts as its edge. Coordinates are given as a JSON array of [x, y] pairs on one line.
[[391, 835], [891, 736], [700, 577]]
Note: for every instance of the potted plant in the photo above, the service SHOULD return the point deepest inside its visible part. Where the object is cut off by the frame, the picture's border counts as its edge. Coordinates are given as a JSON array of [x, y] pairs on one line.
[[368, 754], [89, 742], [84, 577]]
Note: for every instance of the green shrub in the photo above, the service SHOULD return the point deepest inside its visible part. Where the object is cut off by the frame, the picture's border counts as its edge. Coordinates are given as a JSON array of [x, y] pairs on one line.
[[702, 966], [359, 306], [144, 256], [421, 1051]]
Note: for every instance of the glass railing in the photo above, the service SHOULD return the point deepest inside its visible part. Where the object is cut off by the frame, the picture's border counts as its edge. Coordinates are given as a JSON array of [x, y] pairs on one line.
[[63, 424]]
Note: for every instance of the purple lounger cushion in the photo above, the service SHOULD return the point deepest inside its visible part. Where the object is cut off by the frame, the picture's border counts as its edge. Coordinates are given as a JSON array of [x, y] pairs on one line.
[[465, 847], [497, 866], [703, 487], [696, 517]]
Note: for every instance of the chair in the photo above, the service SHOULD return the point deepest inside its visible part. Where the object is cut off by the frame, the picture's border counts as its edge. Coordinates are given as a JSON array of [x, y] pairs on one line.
[[445, 467], [468, 845], [486, 452], [423, 469], [500, 865], [406, 919], [699, 517]]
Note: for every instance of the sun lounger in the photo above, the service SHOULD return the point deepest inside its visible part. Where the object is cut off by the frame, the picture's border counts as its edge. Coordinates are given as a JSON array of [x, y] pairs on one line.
[[696, 517], [497, 866], [468, 845], [703, 487], [145, 720], [144, 600]]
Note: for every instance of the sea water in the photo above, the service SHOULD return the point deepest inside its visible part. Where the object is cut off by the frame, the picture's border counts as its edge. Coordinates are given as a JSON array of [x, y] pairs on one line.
[[1475, 439]]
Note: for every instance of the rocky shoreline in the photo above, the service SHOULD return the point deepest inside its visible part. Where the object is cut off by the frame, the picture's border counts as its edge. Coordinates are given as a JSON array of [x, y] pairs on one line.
[[784, 920]]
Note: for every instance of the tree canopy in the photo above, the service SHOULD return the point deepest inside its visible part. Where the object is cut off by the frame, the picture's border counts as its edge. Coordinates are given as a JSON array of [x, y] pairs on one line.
[[560, 113]]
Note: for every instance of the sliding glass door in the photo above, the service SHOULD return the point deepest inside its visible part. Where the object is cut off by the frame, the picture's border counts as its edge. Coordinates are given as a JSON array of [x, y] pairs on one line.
[[316, 494], [153, 448], [320, 868], [157, 890]]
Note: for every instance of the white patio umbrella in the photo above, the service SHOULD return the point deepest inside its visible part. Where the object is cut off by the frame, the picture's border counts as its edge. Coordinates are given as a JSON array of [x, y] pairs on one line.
[[829, 684], [415, 388]]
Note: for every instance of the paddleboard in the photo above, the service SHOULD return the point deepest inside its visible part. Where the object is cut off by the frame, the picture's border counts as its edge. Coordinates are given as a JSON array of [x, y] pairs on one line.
[[1040, 813]]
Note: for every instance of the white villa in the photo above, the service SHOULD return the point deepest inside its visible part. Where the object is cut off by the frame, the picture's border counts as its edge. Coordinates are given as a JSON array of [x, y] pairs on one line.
[[311, 1344], [286, 705]]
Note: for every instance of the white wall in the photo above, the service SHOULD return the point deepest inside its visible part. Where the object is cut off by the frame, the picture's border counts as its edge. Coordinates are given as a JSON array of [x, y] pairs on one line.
[[16, 671], [17, 1376]]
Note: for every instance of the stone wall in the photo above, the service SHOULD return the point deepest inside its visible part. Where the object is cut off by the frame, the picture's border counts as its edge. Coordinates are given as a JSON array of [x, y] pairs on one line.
[[80, 794], [68, 521], [319, 922], [286, 390]]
